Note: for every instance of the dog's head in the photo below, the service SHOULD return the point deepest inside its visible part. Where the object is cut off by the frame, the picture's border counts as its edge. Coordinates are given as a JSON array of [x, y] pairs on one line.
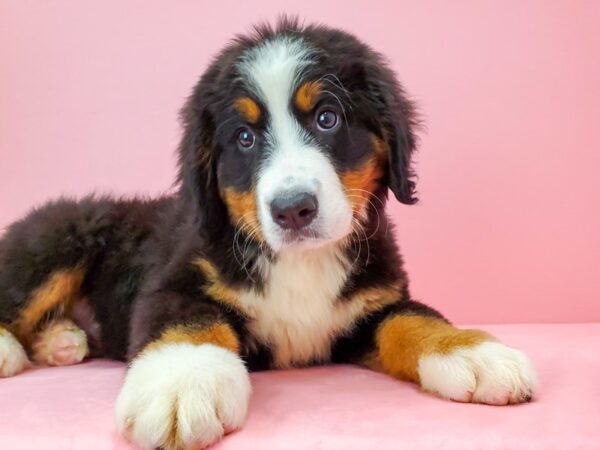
[[291, 132]]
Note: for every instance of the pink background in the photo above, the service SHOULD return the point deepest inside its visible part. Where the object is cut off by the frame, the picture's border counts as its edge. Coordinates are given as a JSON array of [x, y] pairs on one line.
[[508, 229], [336, 408]]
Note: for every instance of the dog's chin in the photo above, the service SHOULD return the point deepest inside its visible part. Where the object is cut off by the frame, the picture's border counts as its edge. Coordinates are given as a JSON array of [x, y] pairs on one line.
[[303, 239]]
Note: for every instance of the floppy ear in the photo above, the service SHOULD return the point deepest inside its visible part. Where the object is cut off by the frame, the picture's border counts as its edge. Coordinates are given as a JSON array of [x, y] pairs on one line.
[[197, 177], [401, 143], [396, 120]]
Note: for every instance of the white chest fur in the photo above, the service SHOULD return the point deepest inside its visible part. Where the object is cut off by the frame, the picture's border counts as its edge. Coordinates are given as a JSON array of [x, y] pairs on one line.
[[298, 314]]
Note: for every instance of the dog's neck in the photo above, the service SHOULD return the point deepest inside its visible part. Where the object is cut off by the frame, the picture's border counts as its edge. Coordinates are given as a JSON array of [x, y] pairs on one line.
[[298, 306]]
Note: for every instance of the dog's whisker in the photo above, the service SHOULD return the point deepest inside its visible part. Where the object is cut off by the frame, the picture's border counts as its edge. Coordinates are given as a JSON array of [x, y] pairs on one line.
[[367, 199], [359, 240], [251, 233], [235, 244], [374, 232], [241, 226], [338, 84], [368, 193], [367, 242]]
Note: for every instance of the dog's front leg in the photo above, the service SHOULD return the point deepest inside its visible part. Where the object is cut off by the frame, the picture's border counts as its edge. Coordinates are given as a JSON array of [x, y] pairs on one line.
[[414, 343], [187, 385]]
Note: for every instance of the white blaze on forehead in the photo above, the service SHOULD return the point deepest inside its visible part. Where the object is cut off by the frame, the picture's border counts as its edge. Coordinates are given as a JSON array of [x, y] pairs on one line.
[[294, 161], [273, 71]]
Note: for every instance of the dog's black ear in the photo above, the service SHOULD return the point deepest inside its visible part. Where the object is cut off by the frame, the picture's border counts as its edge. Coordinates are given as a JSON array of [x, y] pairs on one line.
[[398, 120], [395, 119], [401, 142], [198, 185]]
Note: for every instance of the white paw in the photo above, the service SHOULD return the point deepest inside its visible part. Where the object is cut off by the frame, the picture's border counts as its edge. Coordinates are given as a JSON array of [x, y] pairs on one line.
[[489, 372], [13, 358], [61, 343], [183, 396]]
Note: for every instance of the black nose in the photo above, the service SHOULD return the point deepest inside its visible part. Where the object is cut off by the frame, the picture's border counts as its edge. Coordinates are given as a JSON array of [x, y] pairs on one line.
[[292, 212]]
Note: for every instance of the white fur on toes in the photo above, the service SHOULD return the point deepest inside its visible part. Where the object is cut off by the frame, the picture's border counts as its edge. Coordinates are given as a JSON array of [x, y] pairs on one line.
[[13, 358], [489, 372], [61, 343], [183, 396]]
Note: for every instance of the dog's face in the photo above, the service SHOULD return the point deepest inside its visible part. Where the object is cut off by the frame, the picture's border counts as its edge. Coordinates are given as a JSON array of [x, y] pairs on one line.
[[291, 133]]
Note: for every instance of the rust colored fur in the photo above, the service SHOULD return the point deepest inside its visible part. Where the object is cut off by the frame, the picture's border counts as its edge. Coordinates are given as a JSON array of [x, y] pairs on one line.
[[307, 95], [248, 108], [61, 288], [214, 286], [243, 211], [361, 183], [220, 334], [402, 340]]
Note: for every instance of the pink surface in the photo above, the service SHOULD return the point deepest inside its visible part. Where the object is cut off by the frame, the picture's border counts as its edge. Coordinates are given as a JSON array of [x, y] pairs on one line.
[[335, 408], [507, 230]]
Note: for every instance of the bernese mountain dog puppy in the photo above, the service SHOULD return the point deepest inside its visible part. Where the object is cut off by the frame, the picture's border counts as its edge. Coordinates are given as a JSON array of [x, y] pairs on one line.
[[275, 251]]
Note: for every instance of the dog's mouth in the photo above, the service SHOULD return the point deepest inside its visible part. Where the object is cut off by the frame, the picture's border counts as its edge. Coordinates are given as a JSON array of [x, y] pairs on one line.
[[307, 235]]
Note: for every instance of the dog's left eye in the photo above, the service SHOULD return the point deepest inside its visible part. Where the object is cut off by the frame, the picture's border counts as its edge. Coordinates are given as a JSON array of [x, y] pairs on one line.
[[245, 139], [327, 120]]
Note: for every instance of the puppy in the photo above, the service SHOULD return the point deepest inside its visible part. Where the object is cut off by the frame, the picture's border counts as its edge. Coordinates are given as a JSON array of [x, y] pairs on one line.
[[275, 252]]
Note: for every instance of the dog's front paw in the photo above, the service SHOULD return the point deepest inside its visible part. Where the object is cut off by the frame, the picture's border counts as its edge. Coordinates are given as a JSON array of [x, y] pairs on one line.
[[489, 372], [181, 396], [13, 358]]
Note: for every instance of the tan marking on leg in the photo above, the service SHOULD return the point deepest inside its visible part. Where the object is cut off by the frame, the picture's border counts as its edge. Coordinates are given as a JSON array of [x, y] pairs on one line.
[[243, 211], [307, 95], [57, 291], [220, 334], [403, 339], [215, 287], [248, 108]]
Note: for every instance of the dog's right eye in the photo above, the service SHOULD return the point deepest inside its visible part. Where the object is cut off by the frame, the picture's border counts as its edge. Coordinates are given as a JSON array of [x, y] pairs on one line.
[[327, 120], [245, 139]]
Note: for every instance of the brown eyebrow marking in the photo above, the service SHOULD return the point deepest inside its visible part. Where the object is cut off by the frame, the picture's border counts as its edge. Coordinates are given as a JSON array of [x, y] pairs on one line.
[[307, 95], [248, 108]]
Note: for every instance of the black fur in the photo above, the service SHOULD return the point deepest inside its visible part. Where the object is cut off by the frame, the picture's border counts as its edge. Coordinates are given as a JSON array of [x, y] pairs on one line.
[[137, 254], [361, 339]]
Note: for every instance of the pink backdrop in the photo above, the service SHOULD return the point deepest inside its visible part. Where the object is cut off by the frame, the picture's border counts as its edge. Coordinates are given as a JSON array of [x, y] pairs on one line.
[[508, 229]]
